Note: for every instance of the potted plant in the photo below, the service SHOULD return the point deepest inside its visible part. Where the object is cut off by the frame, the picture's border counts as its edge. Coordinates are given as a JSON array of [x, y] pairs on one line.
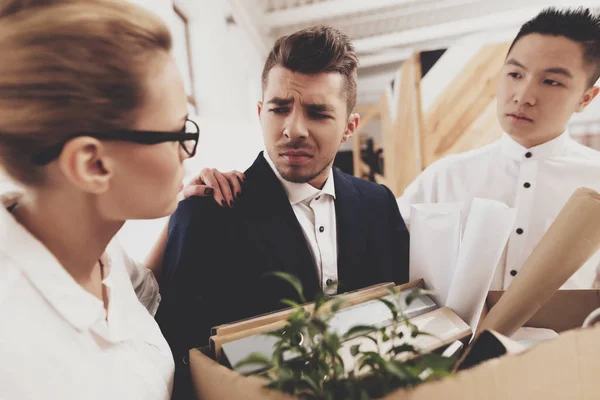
[[384, 359]]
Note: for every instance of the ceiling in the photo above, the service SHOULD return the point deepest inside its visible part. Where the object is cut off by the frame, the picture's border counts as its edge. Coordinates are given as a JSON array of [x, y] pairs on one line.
[[386, 32]]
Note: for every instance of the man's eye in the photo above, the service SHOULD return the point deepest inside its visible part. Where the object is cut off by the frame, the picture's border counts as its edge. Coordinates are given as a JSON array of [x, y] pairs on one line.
[[514, 75], [279, 110], [315, 115], [552, 82]]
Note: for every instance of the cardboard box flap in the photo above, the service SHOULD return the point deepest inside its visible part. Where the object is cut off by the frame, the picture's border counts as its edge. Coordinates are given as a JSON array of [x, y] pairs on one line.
[[566, 309], [214, 381]]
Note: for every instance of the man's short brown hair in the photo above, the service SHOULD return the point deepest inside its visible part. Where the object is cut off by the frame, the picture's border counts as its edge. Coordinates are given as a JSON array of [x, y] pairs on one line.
[[315, 50]]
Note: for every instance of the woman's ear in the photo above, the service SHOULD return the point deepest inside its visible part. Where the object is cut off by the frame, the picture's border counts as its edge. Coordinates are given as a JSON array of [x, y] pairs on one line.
[[85, 163]]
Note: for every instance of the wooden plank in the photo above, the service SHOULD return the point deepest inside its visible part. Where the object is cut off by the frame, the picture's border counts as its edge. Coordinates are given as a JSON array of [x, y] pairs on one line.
[[466, 111], [405, 154], [387, 131], [369, 113], [462, 104], [484, 131]]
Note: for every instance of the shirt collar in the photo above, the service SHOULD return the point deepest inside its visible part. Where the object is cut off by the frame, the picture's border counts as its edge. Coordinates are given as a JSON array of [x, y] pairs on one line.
[[543, 151], [298, 192], [43, 270]]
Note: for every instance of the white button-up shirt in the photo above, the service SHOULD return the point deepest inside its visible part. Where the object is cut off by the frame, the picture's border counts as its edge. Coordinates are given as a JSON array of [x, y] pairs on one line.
[[537, 182], [315, 211], [56, 339]]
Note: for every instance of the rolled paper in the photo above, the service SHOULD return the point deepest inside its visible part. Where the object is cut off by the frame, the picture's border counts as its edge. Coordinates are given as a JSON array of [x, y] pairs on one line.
[[571, 240], [486, 233], [440, 225]]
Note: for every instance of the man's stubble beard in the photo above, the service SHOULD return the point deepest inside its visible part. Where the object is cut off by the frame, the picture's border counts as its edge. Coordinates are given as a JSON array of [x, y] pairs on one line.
[[304, 179]]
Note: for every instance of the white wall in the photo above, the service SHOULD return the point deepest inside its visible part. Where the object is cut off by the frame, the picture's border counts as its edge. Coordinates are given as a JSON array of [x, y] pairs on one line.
[[227, 69]]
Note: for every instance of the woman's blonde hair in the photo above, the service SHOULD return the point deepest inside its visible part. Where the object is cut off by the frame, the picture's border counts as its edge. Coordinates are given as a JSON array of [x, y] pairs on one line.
[[70, 66]]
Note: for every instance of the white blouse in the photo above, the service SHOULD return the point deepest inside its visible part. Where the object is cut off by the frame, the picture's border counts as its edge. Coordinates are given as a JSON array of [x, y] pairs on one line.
[[56, 341]]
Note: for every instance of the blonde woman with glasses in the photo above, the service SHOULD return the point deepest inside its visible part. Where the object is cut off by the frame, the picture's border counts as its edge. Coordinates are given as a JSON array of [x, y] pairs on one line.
[[94, 130]]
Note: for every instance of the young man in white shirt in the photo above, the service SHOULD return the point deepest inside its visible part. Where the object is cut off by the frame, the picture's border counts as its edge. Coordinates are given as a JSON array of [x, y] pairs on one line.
[[548, 75]]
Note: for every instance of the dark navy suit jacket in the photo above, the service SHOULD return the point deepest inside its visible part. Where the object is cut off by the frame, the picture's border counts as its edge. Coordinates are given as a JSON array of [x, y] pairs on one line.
[[216, 258]]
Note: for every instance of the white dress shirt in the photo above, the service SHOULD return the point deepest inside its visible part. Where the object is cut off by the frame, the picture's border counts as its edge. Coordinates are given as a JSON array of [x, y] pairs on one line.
[[315, 211], [537, 182], [57, 341]]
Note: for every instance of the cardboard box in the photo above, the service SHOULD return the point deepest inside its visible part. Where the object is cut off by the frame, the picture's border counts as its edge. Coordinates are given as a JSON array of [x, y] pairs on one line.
[[563, 368]]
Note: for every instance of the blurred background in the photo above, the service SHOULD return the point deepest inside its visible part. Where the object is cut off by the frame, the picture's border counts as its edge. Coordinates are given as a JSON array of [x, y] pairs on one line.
[[426, 83]]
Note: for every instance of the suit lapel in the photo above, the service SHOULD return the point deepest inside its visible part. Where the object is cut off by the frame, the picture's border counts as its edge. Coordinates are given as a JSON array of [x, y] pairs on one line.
[[350, 233], [275, 223]]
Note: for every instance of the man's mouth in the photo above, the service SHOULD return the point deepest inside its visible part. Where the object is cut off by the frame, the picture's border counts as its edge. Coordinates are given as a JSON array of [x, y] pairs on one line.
[[520, 118], [296, 157]]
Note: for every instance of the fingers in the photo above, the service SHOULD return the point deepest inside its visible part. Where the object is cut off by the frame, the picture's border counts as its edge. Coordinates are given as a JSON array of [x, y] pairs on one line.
[[225, 187], [235, 180], [226, 193], [197, 190], [208, 179]]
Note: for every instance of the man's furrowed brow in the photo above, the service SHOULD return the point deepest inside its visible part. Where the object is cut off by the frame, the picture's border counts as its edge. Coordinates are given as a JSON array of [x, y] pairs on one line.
[[316, 107], [279, 101]]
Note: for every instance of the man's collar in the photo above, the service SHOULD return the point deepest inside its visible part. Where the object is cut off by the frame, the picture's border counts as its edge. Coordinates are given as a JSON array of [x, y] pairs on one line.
[[543, 151], [297, 192]]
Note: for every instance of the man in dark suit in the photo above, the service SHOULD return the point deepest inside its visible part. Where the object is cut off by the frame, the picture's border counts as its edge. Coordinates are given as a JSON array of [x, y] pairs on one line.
[[297, 214]]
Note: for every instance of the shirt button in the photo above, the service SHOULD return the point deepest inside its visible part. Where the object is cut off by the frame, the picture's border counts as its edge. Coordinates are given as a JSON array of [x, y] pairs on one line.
[[329, 282], [513, 272], [321, 229], [519, 231], [528, 154], [527, 185]]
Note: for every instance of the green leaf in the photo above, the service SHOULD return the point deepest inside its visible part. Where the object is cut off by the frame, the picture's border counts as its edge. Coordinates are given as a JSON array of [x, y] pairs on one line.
[[415, 294], [421, 333], [293, 281], [392, 307], [355, 349], [371, 338], [291, 303], [312, 384], [340, 361], [319, 324], [372, 359], [359, 330], [279, 333], [391, 289], [396, 370], [320, 300], [402, 349], [337, 303], [298, 317], [255, 359], [384, 336]]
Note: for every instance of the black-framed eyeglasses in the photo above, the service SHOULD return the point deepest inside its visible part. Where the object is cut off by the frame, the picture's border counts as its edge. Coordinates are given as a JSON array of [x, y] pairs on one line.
[[187, 138]]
